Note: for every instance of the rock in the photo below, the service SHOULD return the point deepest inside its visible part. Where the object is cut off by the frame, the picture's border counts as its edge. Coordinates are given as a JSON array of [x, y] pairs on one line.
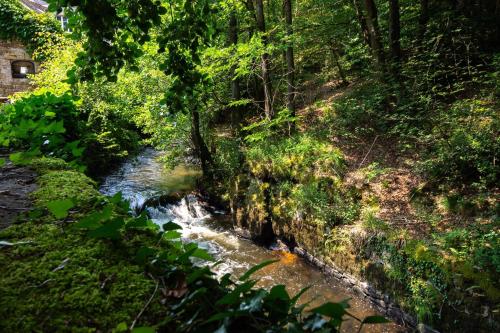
[[422, 328]]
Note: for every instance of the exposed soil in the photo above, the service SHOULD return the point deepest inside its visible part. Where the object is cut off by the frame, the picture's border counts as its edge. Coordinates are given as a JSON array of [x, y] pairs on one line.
[[16, 184], [394, 186]]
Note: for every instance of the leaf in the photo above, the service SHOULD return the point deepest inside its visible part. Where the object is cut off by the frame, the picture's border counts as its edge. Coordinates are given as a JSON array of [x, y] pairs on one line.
[[278, 292], [144, 330], [117, 198], [2, 162], [171, 226], [332, 310], [145, 253], [50, 114], [255, 303], [121, 327], [299, 294], [234, 295], [375, 320], [110, 230], [202, 254], [60, 208], [94, 220], [141, 222], [220, 315], [172, 235], [256, 268]]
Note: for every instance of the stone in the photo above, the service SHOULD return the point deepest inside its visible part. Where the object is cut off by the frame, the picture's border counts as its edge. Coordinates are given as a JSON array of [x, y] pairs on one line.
[[11, 51], [422, 328]]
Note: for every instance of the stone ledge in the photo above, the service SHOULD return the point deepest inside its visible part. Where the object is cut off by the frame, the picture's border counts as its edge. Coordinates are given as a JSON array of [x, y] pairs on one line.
[[380, 301]]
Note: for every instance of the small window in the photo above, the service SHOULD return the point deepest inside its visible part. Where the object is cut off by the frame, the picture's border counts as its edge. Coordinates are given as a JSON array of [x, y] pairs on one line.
[[21, 69], [64, 22]]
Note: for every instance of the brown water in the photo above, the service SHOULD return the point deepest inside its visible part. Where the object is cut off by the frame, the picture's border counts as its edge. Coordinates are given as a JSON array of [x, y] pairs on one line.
[[144, 177]]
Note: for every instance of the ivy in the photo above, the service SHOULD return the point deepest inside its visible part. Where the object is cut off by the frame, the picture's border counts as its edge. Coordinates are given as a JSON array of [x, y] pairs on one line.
[[33, 30]]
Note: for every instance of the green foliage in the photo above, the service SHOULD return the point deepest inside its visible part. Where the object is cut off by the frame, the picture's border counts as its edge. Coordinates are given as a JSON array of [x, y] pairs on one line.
[[298, 158], [465, 143], [110, 115], [479, 246], [60, 208], [33, 30], [105, 266], [265, 129], [43, 124]]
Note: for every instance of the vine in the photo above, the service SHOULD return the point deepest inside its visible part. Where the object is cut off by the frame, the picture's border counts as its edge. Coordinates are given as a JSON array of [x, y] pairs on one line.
[[31, 29]]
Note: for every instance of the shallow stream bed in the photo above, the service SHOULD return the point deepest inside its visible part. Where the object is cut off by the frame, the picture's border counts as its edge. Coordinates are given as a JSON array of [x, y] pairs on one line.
[[143, 178]]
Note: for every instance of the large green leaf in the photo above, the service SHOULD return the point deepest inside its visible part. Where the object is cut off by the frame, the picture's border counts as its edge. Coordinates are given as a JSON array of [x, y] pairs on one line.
[[169, 226], [60, 208], [332, 310], [110, 230], [202, 254], [278, 292], [234, 296]]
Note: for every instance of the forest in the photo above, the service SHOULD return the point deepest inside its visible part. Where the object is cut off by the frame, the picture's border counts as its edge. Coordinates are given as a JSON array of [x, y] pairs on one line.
[[355, 141]]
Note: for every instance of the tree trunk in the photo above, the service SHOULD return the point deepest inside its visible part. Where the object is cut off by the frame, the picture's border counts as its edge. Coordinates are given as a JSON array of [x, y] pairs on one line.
[[395, 31], [375, 36], [236, 115], [497, 15], [290, 62], [336, 58], [423, 19], [266, 78], [257, 88], [362, 22], [198, 142]]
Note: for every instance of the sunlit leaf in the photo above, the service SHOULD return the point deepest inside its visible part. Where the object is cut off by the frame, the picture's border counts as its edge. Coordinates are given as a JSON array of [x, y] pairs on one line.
[[60, 208], [144, 330]]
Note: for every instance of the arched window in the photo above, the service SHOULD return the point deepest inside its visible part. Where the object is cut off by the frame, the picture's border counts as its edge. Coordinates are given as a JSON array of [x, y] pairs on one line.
[[21, 68]]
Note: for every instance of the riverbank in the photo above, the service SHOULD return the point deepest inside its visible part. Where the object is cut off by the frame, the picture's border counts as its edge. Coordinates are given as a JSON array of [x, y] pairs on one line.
[[415, 274], [77, 262], [54, 278], [365, 205]]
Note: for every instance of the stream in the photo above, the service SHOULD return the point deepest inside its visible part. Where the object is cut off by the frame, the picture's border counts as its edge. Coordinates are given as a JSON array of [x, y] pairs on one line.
[[142, 178]]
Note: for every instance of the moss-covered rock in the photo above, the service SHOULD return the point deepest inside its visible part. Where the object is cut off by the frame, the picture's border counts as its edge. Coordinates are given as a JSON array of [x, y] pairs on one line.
[[53, 278]]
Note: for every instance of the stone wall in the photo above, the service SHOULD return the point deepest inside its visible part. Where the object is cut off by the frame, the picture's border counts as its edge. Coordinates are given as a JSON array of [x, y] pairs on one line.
[[11, 51]]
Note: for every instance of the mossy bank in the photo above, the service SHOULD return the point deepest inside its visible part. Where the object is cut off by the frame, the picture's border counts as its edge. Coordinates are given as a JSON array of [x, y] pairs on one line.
[[305, 191], [55, 279]]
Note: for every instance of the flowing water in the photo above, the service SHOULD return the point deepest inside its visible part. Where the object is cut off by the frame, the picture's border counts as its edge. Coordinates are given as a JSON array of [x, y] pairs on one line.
[[143, 178]]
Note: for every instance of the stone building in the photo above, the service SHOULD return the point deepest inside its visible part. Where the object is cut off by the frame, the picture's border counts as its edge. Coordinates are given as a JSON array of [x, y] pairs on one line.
[[15, 62]]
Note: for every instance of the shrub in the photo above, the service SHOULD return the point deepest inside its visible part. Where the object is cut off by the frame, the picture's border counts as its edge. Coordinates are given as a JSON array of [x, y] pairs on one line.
[[297, 158], [34, 30], [466, 145], [43, 124], [55, 126]]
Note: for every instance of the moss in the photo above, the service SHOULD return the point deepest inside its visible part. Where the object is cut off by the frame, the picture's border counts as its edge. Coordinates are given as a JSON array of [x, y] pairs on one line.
[[56, 279], [61, 281], [44, 164], [66, 184]]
